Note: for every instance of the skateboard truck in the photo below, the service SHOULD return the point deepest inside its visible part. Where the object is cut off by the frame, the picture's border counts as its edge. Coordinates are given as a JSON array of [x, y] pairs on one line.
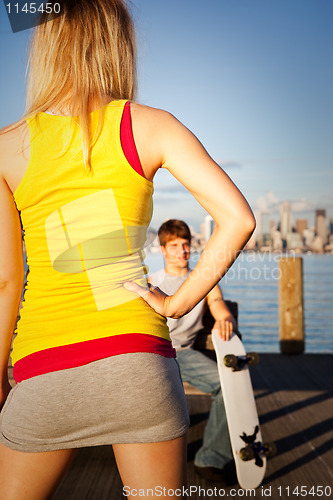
[[238, 362], [254, 449]]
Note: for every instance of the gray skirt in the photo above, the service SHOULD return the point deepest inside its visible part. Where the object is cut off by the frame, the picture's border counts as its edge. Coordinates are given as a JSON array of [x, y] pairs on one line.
[[127, 398]]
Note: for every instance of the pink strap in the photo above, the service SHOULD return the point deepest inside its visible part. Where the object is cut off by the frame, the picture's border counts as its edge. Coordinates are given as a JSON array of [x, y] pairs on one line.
[[127, 141]]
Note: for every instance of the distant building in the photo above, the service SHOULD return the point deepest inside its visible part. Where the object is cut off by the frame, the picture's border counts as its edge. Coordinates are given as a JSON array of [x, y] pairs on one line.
[[272, 227], [321, 229], [264, 242], [209, 226], [308, 235], [262, 234], [277, 240], [317, 244], [301, 224], [263, 225], [294, 241], [285, 219]]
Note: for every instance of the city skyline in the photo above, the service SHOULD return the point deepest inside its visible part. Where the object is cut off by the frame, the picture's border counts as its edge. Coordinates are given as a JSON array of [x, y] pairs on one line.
[[300, 236], [270, 235], [252, 79]]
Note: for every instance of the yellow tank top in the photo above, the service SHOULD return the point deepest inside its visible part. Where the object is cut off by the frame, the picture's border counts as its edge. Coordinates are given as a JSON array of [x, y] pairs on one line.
[[84, 237]]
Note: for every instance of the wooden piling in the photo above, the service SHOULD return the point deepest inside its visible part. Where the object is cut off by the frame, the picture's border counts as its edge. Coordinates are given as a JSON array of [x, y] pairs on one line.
[[291, 309]]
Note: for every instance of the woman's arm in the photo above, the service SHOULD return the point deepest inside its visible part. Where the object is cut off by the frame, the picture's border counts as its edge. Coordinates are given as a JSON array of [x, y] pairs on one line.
[[11, 278], [171, 145]]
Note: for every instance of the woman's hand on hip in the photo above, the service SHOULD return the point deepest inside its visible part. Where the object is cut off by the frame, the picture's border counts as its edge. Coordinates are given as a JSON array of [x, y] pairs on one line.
[[155, 298]]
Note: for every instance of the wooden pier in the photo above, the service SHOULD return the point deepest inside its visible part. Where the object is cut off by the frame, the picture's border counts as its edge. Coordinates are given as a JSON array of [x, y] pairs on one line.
[[295, 406]]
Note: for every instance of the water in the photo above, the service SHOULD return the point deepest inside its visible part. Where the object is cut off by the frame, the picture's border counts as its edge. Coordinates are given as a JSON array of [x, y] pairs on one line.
[[253, 283]]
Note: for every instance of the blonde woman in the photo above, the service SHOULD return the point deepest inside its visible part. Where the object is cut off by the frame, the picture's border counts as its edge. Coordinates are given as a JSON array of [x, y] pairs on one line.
[[93, 362]]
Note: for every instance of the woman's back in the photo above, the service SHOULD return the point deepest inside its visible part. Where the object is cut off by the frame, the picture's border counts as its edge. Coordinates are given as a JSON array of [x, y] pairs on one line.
[[84, 236]]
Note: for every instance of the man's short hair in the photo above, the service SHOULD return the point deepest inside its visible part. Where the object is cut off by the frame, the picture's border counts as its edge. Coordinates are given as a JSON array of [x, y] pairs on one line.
[[172, 229]]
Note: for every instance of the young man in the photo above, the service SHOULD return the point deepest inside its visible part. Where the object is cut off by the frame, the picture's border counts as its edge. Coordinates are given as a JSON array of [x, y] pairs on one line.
[[214, 459]]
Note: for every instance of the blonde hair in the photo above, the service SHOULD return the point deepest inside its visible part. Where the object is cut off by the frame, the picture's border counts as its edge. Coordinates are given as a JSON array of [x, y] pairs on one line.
[[84, 54]]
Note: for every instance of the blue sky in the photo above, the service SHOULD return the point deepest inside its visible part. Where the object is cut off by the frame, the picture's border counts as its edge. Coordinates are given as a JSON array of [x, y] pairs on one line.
[[251, 78]]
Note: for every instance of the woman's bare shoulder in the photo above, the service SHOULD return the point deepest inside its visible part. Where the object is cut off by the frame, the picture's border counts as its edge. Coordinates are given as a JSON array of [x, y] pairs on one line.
[[14, 141], [150, 116], [12, 135], [150, 126]]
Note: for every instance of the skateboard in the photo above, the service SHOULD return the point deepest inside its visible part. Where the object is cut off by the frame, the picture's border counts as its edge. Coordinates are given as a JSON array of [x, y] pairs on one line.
[[246, 442]]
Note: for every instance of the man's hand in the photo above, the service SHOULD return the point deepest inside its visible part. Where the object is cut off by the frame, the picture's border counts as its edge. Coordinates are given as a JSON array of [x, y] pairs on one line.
[[224, 321], [224, 328]]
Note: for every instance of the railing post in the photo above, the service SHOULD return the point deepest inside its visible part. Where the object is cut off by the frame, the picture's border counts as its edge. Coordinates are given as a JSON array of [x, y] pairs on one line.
[[291, 309]]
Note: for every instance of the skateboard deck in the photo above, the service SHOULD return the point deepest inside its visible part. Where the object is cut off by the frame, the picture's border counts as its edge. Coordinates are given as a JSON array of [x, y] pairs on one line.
[[241, 411]]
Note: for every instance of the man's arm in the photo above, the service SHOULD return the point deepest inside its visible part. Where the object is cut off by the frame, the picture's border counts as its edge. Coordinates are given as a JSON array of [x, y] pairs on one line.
[[225, 323]]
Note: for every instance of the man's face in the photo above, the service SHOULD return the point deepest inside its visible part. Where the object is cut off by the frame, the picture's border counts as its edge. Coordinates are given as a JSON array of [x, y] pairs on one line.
[[176, 253]]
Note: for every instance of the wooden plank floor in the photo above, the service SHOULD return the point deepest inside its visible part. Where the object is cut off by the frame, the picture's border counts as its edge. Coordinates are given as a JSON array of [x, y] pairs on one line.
[[295, 405]]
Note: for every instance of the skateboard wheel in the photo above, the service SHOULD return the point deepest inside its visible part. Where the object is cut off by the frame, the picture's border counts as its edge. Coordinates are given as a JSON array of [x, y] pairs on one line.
[[230, 360], [253, 358], [246, 454], [270, 449]]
